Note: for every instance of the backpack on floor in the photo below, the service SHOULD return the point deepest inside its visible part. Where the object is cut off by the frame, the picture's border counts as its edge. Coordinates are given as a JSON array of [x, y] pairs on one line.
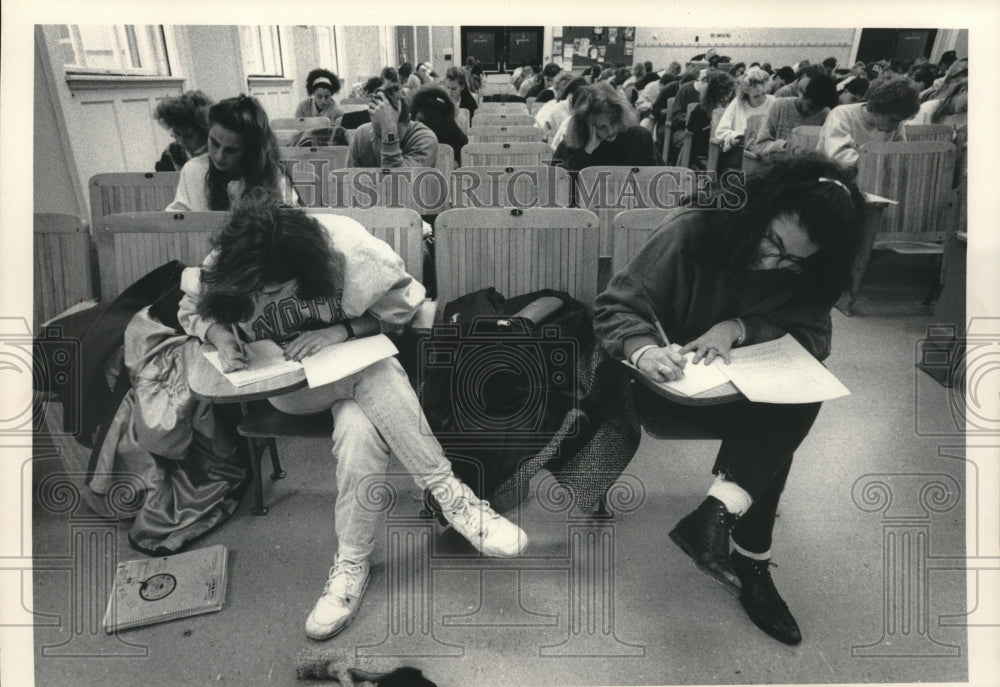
[[498, 377]]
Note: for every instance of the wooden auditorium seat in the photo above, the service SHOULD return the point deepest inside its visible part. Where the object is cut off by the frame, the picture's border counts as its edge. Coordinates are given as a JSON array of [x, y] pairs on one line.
[[299, 123], [309, 170], [62, 265], [506, 154], [504, 134], [495, 187], [489, 119], [804, 139], [129, 245], [608, 191], [517, 251], [130, 192]]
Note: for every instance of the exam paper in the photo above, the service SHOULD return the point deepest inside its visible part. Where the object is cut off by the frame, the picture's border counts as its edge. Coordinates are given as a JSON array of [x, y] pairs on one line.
[[697, 378], [265, 359], [782, 371]]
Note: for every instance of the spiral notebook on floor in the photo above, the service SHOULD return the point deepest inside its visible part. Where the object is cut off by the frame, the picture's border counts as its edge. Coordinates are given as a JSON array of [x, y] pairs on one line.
[[155, 590]]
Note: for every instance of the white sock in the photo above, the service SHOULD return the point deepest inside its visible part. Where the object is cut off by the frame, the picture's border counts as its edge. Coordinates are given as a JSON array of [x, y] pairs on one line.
[[735, 498], [750, 554]]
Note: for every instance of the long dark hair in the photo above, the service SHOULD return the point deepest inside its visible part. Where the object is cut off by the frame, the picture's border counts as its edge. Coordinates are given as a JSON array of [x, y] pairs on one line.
[[244, 116], [264, 244], [437, 109], [811, 187]]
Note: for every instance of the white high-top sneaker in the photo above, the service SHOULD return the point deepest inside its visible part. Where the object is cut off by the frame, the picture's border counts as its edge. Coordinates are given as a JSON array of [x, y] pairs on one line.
[[340, 601]]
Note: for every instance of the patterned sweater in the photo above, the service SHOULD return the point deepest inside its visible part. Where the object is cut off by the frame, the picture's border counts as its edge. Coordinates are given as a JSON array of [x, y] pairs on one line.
[[371, 279]]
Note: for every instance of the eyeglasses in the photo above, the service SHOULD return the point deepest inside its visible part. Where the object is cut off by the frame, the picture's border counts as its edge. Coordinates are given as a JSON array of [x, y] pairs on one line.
[[785, 261]]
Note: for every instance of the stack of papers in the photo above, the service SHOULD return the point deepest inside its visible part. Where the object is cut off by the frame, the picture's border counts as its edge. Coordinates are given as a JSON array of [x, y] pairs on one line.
[[779, 371]]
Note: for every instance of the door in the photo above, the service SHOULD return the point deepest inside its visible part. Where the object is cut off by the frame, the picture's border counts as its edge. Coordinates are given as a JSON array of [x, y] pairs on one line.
[[503, 48], [895, 45]]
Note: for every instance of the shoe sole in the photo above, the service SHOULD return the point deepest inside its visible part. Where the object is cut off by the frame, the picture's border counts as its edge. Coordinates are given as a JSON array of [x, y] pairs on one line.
[[729, 586], [350, 618]]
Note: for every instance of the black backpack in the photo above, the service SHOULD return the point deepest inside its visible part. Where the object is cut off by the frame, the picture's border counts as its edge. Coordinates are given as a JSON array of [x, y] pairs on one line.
[[498, 377]]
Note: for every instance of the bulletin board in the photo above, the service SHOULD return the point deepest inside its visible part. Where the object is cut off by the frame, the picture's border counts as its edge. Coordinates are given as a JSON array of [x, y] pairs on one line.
[[592, 45]]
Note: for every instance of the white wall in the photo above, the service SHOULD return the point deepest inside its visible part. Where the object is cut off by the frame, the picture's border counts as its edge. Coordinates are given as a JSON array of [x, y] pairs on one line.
[[215, 63], [55, 187], [662, 45]]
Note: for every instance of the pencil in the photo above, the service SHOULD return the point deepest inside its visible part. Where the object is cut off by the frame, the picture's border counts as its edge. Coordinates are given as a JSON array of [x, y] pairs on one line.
[[659, 328], [656, 323]]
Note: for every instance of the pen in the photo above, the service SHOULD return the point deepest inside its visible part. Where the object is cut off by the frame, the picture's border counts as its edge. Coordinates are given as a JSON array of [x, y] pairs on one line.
[[660, 331], [239, 343]]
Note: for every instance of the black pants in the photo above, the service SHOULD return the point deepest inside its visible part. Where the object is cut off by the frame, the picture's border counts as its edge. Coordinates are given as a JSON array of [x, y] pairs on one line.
[[758, 442]]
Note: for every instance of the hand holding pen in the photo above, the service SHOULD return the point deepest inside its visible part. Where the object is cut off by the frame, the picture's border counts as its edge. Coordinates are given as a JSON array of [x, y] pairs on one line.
[[662, 364], [232, 352]]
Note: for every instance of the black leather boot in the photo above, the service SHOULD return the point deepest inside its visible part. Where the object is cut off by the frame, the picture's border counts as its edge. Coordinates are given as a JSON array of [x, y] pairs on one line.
[[762, 602], [704, 536]]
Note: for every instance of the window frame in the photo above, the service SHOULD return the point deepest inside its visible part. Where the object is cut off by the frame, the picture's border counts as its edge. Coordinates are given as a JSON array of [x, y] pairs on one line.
[[160, 51], [255, 46]]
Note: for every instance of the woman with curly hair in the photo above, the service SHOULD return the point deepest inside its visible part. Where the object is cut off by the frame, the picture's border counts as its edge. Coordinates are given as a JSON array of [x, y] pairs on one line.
[[242, 156], [321, 85], [603, 130], [186, 117], [892, 99], [719, 279], [277, 273]]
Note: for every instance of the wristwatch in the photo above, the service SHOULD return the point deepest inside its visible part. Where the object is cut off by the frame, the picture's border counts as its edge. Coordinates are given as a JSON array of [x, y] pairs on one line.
[[349, 328], [389, 137]]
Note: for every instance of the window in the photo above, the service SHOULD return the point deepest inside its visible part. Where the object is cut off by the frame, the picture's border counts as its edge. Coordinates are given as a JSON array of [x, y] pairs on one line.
[[128, 49], [326, 48], [261, 50]]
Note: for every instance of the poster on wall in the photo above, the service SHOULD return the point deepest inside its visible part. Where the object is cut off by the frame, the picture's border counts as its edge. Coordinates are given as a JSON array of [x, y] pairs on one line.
[[557, 51], [599, 44]]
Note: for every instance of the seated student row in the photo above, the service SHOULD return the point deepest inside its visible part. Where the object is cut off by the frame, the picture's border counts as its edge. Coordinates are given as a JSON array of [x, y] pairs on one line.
[[601, 131]]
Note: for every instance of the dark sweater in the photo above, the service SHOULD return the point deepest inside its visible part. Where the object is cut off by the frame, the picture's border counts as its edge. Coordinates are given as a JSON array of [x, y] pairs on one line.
[[689, 297], [468, 101], [659, 110], [632, 147]]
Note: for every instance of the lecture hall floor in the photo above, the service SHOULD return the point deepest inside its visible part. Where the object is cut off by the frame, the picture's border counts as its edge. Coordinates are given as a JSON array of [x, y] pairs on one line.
[[663, 622]]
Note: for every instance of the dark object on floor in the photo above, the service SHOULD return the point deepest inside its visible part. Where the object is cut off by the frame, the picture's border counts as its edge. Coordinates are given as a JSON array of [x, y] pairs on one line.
[[327, 664], [762, 602], [704, 536]]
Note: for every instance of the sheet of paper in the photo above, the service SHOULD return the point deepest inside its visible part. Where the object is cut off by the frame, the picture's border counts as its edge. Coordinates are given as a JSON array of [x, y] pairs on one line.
[[697, 378], [344, 359], [782, 371], [264, 361]]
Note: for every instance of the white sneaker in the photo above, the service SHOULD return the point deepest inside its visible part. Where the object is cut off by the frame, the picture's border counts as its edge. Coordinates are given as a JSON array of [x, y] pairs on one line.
[[340, 601], [488, 531]]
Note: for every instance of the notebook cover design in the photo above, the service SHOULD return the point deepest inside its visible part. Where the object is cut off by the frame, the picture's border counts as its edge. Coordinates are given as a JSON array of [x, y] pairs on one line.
[[154, 590]]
